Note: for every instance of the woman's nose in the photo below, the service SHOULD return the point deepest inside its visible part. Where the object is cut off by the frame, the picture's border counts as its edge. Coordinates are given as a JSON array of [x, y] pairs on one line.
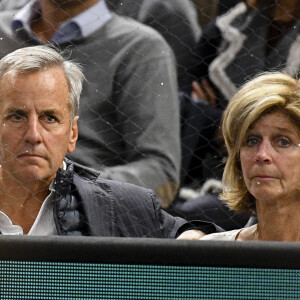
[[263, 153]]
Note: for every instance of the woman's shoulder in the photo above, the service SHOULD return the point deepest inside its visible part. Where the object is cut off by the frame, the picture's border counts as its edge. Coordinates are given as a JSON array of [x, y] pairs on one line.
[[223, 236]]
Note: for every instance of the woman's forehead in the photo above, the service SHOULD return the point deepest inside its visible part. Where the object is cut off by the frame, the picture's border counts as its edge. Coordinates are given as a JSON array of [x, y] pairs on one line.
[[275, 120]]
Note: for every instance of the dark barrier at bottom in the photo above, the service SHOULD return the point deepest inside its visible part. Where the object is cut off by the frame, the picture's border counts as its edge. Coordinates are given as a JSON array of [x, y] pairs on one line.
[[122, 268]]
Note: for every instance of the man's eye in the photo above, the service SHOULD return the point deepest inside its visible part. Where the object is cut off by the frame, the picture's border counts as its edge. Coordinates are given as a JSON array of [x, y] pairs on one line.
[[50, 118], [16, 117]]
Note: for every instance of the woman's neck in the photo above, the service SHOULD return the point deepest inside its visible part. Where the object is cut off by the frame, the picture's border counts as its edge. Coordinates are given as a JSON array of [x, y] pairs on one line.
[[276, 222]]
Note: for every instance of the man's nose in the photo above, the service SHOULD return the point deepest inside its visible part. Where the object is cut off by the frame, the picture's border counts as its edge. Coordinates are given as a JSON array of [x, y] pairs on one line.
[[263, 154], [33, 131]]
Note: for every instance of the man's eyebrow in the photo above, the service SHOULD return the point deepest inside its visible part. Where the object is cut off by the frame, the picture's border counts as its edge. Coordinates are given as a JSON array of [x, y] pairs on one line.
[[51, 112], [18, 110]]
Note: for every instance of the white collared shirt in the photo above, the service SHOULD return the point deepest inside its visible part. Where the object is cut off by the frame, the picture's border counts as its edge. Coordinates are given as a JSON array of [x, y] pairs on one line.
[[81, 26], [44, 222]]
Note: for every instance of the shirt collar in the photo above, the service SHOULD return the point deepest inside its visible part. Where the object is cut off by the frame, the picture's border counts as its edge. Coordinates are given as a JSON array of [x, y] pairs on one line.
[[81, 26], [23, 17], [52, 185], [44, 223]]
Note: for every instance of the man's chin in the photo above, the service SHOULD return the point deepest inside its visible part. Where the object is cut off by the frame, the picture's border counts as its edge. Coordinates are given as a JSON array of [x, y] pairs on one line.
[[32, 173]]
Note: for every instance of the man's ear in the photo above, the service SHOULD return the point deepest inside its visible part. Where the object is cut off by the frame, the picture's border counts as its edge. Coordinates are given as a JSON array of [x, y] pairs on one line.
[[73, 135]]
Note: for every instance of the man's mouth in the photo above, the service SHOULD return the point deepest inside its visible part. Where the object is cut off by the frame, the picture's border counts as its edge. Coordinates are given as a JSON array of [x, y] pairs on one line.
[[30, 155]]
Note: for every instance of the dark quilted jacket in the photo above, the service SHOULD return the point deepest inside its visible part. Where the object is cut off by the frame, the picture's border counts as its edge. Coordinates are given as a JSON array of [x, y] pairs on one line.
[[85, 204]]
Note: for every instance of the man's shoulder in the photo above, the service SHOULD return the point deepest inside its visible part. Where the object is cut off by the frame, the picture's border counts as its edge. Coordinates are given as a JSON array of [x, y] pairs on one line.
[[81, 171], [119, 196], [173, 7], [6, 18], [127, 24], [129, 30], [9, 41], [125, 188], [90, 176], [7, 15]]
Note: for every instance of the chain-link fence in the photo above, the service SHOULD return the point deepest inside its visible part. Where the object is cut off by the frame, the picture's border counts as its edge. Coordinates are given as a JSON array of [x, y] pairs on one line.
[[153, 98]]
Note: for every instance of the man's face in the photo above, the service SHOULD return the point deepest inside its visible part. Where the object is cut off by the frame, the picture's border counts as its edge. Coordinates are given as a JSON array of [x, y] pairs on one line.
[[35, 127]]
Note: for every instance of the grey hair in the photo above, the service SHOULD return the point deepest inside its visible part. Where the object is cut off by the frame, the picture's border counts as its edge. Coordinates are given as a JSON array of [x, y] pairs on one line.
[[30, 59]]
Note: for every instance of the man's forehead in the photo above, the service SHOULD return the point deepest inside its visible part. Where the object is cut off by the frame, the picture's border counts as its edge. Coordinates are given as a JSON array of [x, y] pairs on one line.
[[12, 107], [43, 89], [52, 81], [42, 105], [54, 72]]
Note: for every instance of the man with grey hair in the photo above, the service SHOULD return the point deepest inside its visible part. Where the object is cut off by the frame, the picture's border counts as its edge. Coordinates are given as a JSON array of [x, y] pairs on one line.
[[41, 192], [129, 123]]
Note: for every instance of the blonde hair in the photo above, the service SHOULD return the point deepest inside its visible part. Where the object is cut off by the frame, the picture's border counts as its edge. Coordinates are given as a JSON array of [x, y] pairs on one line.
[[266, 93]]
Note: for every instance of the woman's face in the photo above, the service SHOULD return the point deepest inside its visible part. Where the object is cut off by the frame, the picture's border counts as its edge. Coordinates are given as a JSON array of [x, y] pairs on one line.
[[270, 158]]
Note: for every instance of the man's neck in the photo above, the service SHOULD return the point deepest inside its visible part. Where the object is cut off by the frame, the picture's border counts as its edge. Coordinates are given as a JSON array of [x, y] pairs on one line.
[[22, 202], [53, 14]]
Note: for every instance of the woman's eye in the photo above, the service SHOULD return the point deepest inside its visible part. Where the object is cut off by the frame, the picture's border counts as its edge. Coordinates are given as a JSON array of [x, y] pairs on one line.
[[252, 141], [284, 142]]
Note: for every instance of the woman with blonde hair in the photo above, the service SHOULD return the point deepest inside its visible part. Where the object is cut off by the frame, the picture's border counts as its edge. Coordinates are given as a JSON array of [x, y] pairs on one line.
[[261, 129]]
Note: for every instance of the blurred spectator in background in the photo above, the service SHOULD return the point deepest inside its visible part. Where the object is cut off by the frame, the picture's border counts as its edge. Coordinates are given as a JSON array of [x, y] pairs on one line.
[[209, 9], [225, 5], [175, 20], [129, 117], [252, 37], [9, 4]]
